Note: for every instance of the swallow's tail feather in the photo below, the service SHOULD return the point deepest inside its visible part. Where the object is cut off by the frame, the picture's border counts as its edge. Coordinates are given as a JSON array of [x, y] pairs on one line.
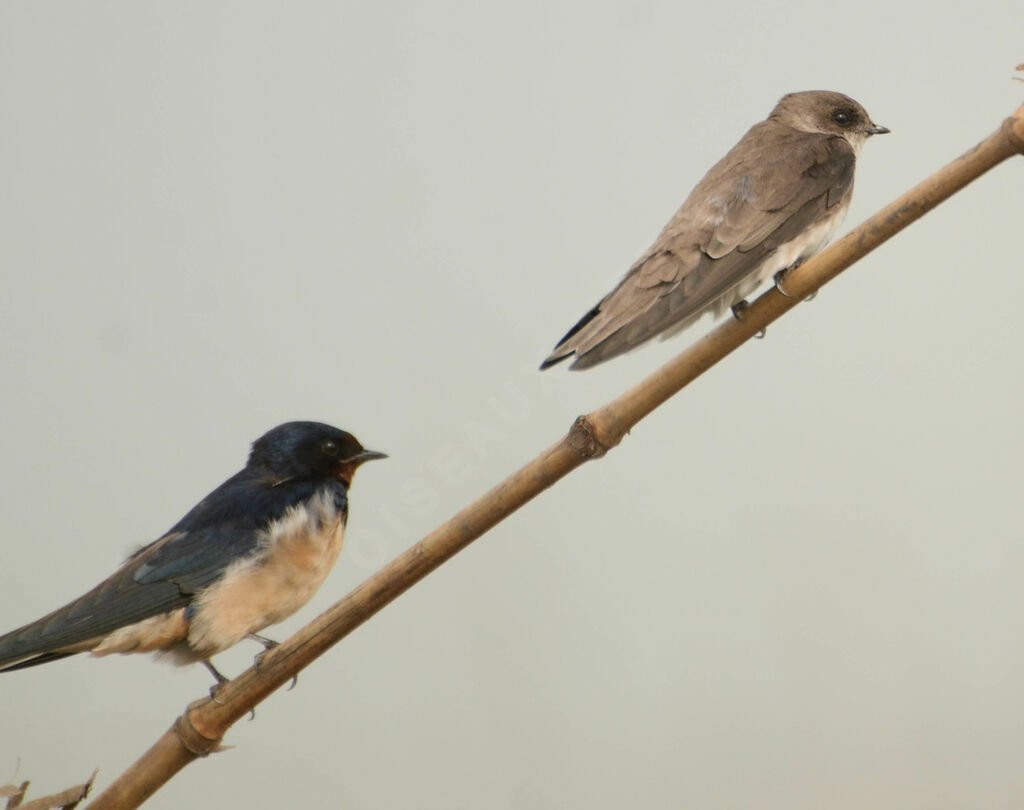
[[597, 336], [41, 658], [564, 348], [35, 643], [83, 624], [656, 289], [615, 326]]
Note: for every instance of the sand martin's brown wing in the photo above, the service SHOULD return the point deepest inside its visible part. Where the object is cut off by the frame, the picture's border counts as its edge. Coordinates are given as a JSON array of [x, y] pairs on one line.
[[767, 191]]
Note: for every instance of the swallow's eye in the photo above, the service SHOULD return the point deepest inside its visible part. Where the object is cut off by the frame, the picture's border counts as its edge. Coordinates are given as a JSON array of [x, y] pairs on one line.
[[329, 447], [843, 117]]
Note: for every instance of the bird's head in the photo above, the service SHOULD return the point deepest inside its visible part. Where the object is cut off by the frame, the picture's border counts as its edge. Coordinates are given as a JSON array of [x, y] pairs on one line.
[[829, 113], [308, 449]]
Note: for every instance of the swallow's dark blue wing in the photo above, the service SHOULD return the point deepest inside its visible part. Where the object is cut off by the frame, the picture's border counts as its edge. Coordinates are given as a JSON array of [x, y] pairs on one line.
[[224, 527]]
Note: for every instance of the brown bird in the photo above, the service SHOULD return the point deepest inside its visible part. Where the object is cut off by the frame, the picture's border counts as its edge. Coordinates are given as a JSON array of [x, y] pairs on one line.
[[774, 200]]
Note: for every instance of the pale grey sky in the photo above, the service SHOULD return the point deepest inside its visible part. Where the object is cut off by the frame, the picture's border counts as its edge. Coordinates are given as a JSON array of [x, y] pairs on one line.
[[797, 585]]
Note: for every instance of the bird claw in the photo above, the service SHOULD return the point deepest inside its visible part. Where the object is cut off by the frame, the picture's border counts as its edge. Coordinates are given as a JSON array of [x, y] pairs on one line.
[[220, 681], [268, 644], [259, 660], [215, 689], [737, 312], [778, 278]]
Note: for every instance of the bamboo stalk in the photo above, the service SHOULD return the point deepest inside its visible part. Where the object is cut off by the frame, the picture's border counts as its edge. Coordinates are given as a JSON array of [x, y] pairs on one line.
[[201, 727]]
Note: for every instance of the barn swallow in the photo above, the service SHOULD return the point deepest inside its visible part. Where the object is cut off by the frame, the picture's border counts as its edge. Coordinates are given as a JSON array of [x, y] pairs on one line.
[[774, 200], [248, 555]]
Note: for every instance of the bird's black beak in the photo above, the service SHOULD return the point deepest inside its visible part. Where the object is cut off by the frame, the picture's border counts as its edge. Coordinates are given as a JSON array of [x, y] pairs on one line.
[[877, 130], [347, 468], [365, 455]]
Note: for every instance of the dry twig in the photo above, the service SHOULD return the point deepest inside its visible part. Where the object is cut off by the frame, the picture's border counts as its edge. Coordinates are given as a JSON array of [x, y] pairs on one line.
[[64, 800]]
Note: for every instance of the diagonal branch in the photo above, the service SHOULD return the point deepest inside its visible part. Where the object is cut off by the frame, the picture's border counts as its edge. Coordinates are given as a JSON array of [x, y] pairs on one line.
[[201, 727]]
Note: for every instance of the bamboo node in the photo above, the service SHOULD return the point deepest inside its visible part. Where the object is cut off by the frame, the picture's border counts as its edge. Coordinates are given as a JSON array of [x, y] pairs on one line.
[[191, 739], [583, 439], [1010, 129]]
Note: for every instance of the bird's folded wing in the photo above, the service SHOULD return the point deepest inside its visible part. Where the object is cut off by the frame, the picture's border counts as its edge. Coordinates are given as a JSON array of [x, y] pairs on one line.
[[166, 574], [117, 601], [682, 274]]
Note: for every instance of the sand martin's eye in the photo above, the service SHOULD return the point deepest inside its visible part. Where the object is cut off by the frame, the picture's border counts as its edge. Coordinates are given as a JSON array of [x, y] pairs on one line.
[[843, 117]]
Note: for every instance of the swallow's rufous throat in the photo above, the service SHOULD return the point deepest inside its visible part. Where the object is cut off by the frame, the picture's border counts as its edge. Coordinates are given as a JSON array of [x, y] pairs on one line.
[[774, 200], [248, 555]]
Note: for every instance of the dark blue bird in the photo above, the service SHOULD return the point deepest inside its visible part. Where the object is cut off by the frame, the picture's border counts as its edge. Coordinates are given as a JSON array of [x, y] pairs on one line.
[[248, 555]]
